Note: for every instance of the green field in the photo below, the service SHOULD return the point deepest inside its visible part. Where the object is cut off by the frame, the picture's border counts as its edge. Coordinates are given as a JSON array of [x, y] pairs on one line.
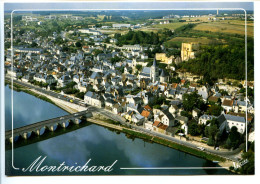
[[202, 40], [226, 27]]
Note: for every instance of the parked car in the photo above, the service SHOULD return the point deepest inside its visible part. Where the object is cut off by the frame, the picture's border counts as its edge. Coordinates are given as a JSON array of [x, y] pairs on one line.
[[201, 148]]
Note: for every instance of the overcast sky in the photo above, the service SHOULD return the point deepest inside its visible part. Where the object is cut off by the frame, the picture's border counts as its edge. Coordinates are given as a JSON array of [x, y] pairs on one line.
[[130, 5]]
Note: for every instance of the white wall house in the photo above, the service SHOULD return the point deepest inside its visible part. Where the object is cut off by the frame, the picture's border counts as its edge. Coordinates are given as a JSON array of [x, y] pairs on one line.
[[204, 118], [92, 99], [229, 121]]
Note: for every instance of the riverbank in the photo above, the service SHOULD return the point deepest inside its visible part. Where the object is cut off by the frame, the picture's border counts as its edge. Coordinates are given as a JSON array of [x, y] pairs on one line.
[[18, 87], [168, 143]]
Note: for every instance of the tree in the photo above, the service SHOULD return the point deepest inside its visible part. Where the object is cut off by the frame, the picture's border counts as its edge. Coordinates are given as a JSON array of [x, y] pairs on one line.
[[138, 67], [78, 44], [115, 59], [186, 114], [249, 167], [194, 129], [33, 44], [212, 130], [234, 138], [193, 100], [223, 92], [215, 110]]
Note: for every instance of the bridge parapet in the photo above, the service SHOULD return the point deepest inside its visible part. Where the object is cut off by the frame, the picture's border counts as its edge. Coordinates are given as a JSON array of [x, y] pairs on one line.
[[40, 128]]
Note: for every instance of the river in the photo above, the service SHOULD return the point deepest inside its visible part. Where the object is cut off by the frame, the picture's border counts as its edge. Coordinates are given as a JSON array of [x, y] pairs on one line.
[[101, 145]]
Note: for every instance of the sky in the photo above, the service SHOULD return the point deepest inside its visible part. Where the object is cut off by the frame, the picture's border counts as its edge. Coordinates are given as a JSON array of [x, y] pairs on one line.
[[129, 5]]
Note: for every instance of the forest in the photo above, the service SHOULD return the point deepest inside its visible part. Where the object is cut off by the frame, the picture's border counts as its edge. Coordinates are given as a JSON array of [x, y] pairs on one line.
[[222, 61]]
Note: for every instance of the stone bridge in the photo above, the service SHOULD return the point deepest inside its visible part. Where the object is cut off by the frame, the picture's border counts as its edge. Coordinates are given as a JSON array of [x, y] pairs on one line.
[[39, 128]]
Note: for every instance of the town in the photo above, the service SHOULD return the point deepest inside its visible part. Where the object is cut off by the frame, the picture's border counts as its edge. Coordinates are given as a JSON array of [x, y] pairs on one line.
[[129, 72]]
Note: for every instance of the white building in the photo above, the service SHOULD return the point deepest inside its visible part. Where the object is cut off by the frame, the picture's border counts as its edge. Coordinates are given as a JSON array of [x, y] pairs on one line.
[[204, 118], [228, 121], [90, 31], [120, 26]]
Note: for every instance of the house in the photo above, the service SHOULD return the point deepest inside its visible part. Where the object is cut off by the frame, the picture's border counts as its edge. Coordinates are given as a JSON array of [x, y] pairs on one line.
[[144, 82], [171, 131], [147, 114], [204, 118], [251, 137], [50, 79], [62, 81], [173, 109], [93, 99], [227, 105], [117, 108], [14, 73], [163, 77], [128, 115], [162, 128], [184, 123], [170, 93], [109, 103], [82, 87], [228, 121], [203, 91], [167, 118], [239, 106], [213, 99], [138, 119], [155, 125], [148, 125], [195, 113], [94, 77], [28, 77]]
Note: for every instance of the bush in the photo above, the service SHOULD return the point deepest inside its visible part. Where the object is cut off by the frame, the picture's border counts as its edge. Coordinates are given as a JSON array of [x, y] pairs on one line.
[[211, 142]]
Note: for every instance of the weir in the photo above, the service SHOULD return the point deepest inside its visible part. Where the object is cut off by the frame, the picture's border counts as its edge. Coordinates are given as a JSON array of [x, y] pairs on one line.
[[39, 128]]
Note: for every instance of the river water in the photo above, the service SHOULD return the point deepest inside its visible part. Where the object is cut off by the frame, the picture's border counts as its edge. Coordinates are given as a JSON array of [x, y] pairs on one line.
[[90, 141]]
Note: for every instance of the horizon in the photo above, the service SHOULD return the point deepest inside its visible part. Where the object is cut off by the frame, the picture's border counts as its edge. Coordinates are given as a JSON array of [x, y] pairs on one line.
[[110, 6]]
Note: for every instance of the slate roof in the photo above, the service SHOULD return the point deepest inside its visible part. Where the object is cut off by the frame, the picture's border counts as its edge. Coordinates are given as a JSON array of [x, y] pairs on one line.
[[224, 117], [146, 70], [94, 75], [168, 114]]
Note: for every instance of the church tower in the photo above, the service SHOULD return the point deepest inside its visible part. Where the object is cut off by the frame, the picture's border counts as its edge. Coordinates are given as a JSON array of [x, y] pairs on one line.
[[163, 77], [153, 71]]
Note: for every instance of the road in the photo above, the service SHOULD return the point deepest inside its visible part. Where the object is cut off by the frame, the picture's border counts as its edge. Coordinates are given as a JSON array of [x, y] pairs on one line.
[[232, 155], [48, 92]]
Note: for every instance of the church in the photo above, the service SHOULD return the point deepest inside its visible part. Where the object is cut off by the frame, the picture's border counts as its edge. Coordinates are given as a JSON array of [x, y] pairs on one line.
[[152, 73]]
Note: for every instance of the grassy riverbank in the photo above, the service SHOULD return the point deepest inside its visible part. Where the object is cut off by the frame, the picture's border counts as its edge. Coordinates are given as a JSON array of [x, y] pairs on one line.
[[176, 146], [168, 143]]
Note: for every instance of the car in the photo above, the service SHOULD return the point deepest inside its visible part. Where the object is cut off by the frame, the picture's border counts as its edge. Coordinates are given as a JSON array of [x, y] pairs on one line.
[[217, 148], [201, 148], [61, 118], [71, 100]]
